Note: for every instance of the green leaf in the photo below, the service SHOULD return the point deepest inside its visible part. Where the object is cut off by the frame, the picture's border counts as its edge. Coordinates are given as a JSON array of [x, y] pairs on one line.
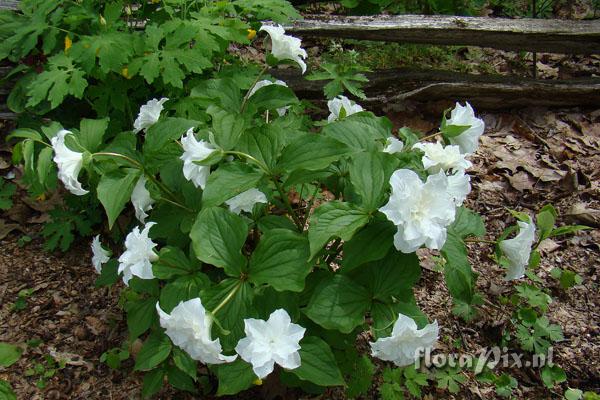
[[231, 316], [163, 132], [140, 316], [371, 243], [311, 152], [318, 364], [155, 350], [9, 354], [334, 219], [450, 131], [172, 262], [7, 190], [449, 378], [185, 363], [109, 274], [545, 223], [225, 92], [467, 223], [44, 166], [551, 375], [234, 377], [339, 303], [457, 271], [91, 133], [227, 127], [217, 238], [114, 191], [273, 97], [573, 394], [281, 260], [153, 382], [269, 222], [180, 380], [182, 289], [6, 392], [360, 132], [370, 173], [228, 181], [263, 143]]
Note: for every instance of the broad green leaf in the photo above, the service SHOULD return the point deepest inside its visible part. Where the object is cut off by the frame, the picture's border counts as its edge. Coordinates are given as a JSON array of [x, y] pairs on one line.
[[280, 260], [311, 152], [114, 191], [467, 223], [264, 144], [9, 354], [369, 244], [182, 289], [109, 274], [184, 362], [230, 316], [545, 221], [155, 350], [318, 365], [44, 165], [334, 219], [217, 238], [6, 392], [140, 316], [385, 315], [153, 382], [227, 127], [225, 92], [339, 303], [269, 222], [234, 377], [360, 132], [228, 181], [460, 279], [272, 97], [370, 173], [163, 132], [391, 277], [180, 380], [91, 133], [172, 262]]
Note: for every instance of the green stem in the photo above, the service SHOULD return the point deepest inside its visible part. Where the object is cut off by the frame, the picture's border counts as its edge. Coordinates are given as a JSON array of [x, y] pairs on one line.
[[227, 298], [288, 205], [122, 156], [429, 136], [245, 100], [473, 240], [249, 157], [310, 204]]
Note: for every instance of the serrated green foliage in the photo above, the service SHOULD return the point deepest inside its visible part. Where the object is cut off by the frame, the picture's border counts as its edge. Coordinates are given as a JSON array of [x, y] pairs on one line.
[[7, 190], [450, 378]]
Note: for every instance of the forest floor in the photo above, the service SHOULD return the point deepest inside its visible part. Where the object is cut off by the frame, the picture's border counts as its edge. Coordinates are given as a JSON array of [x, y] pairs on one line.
[[527, 158]]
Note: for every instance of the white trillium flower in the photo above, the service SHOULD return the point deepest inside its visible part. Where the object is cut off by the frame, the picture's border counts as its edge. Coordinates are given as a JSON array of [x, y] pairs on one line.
[[468, 141], [245, 201], [195, 150], [139, 255], [261, 84], [341, 102], [188, 326], [393, 145], [420, 211], [275, 340], [69, 163], [285, 47], [141, 200], [518, 250], [99, 254], [439, 157], [459, 187], [407, 343], [149, 114]]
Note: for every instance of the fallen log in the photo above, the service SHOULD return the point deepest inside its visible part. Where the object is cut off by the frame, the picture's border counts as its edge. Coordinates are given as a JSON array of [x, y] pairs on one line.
[[394, 87], [541, 35]]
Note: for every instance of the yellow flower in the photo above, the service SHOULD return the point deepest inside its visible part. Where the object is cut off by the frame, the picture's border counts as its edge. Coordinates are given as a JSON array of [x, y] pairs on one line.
[[257, 381], [102, 20], [251, 34], [125, 73], [68, 43]]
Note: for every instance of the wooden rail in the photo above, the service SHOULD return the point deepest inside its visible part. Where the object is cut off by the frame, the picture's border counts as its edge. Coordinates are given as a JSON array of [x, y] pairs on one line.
[[541, 35]]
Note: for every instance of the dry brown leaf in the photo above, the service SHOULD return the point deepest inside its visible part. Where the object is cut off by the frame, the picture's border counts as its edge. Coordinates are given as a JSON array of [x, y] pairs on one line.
[[581, 214], [521, 181]]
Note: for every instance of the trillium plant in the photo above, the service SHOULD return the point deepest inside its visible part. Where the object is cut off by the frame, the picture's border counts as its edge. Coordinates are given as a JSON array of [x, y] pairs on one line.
[[261, 243]]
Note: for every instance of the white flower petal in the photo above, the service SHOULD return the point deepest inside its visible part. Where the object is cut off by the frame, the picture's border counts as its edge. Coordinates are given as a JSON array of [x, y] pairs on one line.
[[341, 102], [420, 211], [459, 187], [69, 163], [393, 145], [99, 255], [268, 342], [518, 250], [189, 327], [139, 255], [439, 157], [261, 84], [406, 343], [245, 201], [141, 200], [285, 47], [195, 150], [149, 114], [468, 141]]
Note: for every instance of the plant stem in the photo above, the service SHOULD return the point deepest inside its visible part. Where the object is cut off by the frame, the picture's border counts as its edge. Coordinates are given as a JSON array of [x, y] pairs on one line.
[[249, 157], [122, 156], [474, 240], [227, 298], [288, 205], [310, 204], [245, 100], [433, 135]]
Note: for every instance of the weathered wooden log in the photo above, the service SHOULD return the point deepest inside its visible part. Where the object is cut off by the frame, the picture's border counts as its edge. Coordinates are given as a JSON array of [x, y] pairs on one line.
[[9, 4], [541, 35], [490, 92]]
